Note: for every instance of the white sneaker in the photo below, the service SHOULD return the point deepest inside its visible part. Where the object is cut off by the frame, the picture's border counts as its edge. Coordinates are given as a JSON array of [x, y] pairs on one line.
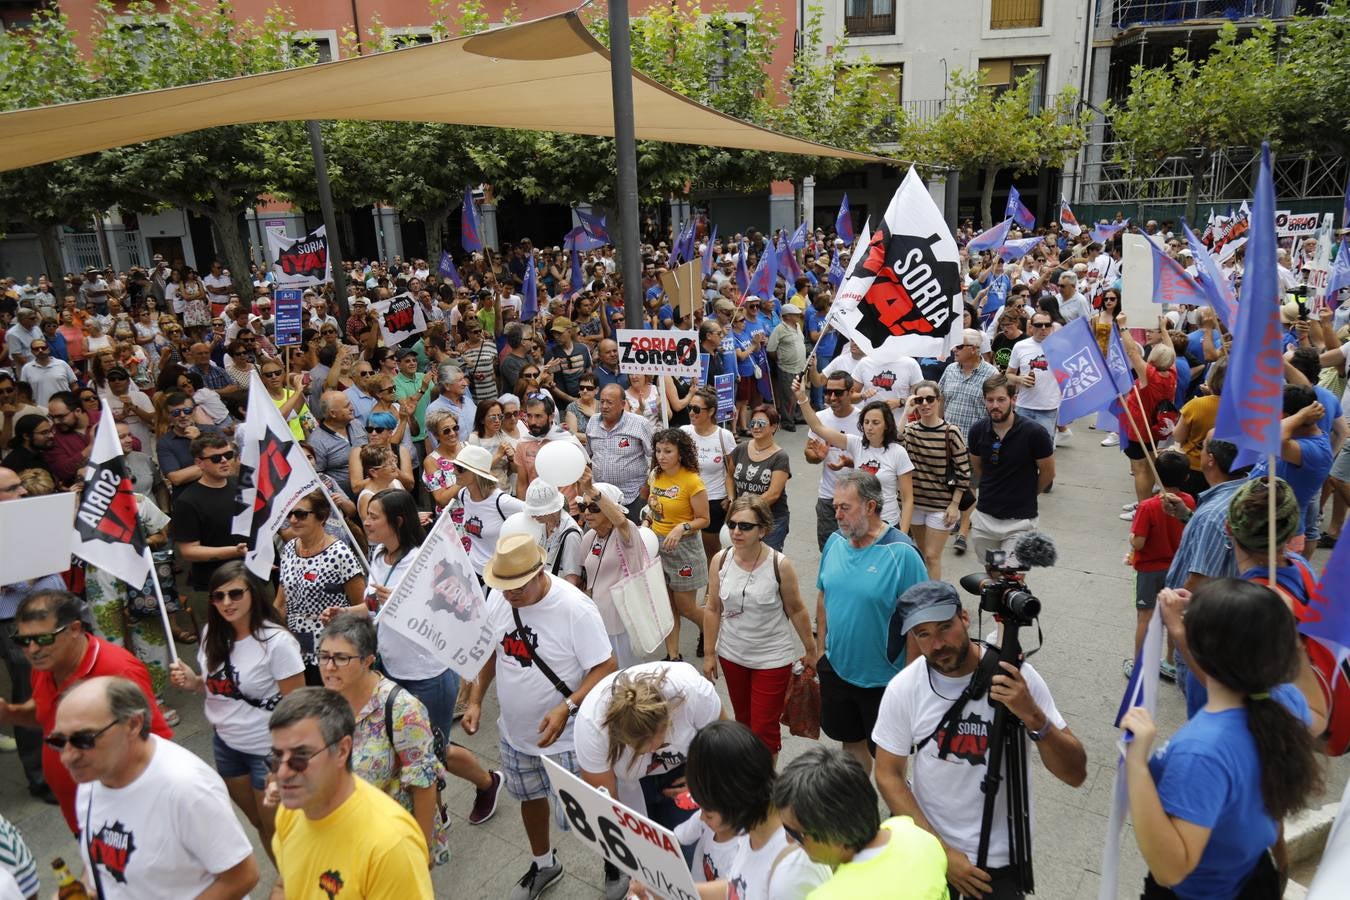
[[1111, 440], [1128, 516], [1064, 437], [1131, 507]]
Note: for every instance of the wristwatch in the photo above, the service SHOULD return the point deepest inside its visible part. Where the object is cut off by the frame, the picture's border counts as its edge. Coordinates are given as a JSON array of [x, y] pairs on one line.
[[571, 707], [1040, 733], [687, 529]]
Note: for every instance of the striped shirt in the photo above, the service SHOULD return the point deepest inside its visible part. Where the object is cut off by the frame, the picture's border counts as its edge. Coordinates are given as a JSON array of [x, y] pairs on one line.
[[621, 456], [963, 395], [930, 449], [15, 858], [1205, 547]]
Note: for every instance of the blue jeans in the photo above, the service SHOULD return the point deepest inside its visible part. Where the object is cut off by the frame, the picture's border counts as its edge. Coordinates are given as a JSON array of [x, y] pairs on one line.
[[777, 535], [1310, 522], [438, 696], [1046, 418]]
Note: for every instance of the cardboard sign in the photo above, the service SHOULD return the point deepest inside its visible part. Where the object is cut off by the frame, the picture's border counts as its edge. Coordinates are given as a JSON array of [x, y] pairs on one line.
[[1289, 224], [634, 843], [658, 353], [286, 305], [725, 385], [28, 525], [400, 318]]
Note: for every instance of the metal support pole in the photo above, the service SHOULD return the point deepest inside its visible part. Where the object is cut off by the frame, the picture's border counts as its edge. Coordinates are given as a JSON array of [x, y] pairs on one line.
[[625, 155], [329, 219]]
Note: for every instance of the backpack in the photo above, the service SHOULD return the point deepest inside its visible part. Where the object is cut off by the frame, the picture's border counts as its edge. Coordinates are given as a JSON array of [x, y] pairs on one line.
[[1335, 689], [1166, 416]]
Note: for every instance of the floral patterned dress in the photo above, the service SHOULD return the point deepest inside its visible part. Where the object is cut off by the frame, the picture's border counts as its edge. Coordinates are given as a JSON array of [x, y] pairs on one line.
[[415, 765]]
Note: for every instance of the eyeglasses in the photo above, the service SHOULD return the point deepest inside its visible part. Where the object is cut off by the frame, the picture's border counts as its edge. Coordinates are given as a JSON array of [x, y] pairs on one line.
[[925, 400], [42, 640], [299, 515], [340, 660], [80, 740], [759, 423], [235, 594], [181, 411], [298, 761], [219, 458], [742, 526]]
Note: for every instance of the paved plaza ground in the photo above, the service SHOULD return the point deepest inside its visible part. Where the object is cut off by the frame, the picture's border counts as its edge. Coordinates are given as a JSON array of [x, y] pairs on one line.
[[1088, 622]]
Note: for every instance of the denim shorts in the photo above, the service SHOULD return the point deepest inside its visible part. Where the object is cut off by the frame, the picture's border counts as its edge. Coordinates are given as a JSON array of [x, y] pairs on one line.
[[231, 763], [438, 696]]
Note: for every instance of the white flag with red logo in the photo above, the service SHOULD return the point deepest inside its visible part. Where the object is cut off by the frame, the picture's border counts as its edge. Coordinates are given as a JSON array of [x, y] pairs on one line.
[[902, 296], [274, 473], [108, 530], [1068, 223]]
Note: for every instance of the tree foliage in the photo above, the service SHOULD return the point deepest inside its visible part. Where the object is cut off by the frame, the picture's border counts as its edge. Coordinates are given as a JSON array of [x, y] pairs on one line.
[[981, 130]]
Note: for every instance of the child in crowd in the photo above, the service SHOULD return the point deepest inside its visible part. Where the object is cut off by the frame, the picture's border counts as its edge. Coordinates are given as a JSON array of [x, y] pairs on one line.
[[1154, 538]]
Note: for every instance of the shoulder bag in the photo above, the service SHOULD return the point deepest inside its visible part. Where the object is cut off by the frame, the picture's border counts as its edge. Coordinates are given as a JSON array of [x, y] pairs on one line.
[[967, 496]]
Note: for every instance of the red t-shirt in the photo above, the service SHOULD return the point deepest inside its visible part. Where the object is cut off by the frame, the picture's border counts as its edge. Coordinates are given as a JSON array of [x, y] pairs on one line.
[[100, 658], [1158, 386], [1162, 533]]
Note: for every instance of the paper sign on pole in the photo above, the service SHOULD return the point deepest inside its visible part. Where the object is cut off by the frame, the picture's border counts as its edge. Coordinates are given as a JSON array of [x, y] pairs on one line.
[[639, 847], [658, 353], [28, 525], [1136, 268], [1289, 224], [439, 603], [725, 385], [287, 308], [400, 318]]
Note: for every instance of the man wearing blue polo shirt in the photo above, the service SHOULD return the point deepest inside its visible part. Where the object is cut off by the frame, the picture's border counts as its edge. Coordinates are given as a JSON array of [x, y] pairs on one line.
[[864, 569]]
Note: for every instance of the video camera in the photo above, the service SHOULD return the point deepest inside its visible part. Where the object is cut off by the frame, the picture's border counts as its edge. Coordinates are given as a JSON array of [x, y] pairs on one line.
[[1002, 587]]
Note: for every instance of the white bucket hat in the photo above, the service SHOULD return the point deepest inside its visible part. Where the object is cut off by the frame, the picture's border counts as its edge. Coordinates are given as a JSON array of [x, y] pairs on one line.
[[477, 460], [542, 498]]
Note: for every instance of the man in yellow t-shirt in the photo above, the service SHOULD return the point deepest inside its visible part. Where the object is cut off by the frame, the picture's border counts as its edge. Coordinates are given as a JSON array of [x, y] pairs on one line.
[[337, 836], [829, 807]]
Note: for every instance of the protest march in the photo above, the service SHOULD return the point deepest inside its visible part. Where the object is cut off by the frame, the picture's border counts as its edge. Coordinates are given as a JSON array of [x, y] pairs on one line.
[[736, 597]]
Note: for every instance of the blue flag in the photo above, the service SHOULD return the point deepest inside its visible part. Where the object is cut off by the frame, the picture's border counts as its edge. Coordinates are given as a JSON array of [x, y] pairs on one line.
[[1250, 416], [843, 223], [448, 270], [1102, 232], [1211, 280], [1018, 210], [1076, 361], [708, 253], [1014, 250], [529, 291], [1118, 364], [742, 272], [999, 286], [1171, 282], [1339, 277], [594, 227], [766, 275], [1329, 610], [683, 251], [991, 239], [578, 276], [798, 240], [787, 263], [470, 229], [765, 380], [836, 271]]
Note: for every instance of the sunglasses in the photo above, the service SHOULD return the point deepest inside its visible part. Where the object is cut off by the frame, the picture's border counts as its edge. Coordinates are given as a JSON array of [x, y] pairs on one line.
[[835, 392], [298, 761], [592, 507], [385, 390], [364, 373], [42, 640], [742, 526], [235, 594], [271, 373], [993, 457], [587, 387], [118, 378], [181, 411], [1040, 324], [925, 400], [696, 409], [377, 429], [299, 515], [529, 374], [80, 740], [759, 423], [220, 457]]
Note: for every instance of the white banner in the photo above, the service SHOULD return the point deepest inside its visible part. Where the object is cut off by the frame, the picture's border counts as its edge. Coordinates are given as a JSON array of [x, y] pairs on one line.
[[274, 474], [639, 847], [903, 294], [439, 603], [1289, 224], [400, 318], [299, 263], [659, 353]]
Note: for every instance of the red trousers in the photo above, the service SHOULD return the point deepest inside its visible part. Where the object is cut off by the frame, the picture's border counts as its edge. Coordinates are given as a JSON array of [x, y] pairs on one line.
[[757, 698]]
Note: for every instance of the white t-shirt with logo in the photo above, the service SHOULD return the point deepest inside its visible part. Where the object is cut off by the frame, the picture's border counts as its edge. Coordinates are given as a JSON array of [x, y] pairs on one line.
[[848, 425], [888, 464], [752, 874], [241, 694], [480, 522], [166, 835], [565, 630], [890, 380], [713, 451], [698, 705], [1027, 357], [711, 858], [948, 790]]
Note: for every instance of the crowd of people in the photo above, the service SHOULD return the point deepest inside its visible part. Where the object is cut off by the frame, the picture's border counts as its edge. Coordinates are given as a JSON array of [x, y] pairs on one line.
[[333, 733]]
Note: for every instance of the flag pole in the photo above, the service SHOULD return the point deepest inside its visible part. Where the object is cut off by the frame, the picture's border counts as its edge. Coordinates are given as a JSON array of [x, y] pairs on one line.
[[1270, 515], [1153, 469], [159, 601]]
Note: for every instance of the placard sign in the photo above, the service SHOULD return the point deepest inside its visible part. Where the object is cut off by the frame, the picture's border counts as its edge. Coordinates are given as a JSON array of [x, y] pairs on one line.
[[1289, 224], [634, 843], [725, 385], [286, 305], [658, 353]]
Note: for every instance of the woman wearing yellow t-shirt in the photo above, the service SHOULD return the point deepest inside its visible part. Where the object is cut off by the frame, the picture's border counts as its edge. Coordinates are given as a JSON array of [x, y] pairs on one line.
[[679, 507]]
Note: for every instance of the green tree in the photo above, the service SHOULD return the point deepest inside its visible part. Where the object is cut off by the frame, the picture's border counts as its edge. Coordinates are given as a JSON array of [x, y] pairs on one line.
[[986, 131], [1192, 109], [1314, 81], [218, 172], [40, 65]]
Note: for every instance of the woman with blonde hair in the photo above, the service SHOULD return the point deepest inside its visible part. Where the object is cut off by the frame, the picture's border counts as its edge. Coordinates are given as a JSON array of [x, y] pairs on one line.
[[438, 468]]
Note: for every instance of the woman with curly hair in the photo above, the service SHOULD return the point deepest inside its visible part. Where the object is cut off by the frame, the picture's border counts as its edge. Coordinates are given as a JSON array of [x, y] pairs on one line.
[[679, 506]]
